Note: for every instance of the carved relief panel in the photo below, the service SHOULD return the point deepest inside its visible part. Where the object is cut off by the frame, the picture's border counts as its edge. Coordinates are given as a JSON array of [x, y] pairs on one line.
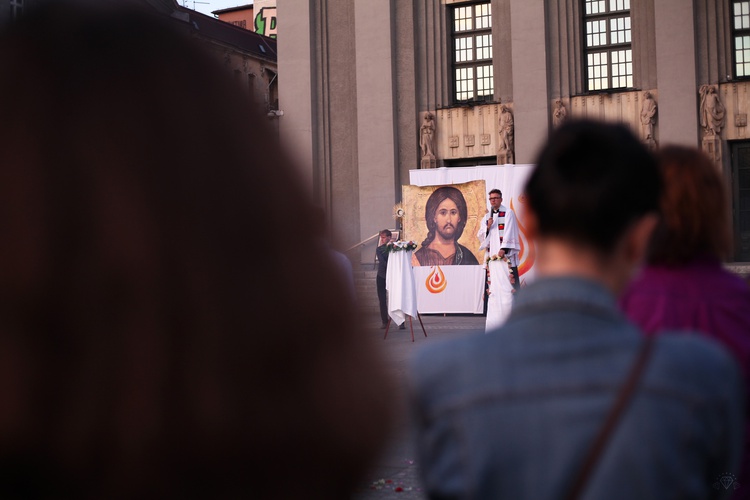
[[467, 132], [637, 109]]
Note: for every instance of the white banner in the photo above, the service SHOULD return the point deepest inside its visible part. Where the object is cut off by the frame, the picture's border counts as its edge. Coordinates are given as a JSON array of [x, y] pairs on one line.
[[450, 289]]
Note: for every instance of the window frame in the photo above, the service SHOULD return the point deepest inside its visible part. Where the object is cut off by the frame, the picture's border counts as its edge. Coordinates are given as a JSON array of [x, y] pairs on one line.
[[474, 65], [607, 46]]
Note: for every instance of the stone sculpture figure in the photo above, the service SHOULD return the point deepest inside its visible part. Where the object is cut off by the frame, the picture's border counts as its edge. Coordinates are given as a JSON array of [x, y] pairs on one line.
[[712, 110], [648, 118], [505, 146], [426, 136], [560, 113]]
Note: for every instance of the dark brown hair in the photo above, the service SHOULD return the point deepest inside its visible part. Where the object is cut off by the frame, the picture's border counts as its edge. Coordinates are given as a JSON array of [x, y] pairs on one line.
[[694, 212], [591, 181], [161, 334]]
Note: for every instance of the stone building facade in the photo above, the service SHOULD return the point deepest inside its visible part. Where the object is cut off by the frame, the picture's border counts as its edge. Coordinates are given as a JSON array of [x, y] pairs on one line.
[[496, 76], [250, 57]]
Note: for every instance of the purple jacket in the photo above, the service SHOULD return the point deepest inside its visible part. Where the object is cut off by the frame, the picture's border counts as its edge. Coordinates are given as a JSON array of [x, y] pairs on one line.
[[700, 297]]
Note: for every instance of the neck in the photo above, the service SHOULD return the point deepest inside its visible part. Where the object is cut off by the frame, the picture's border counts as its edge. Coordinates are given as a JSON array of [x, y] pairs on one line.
[[560, 258]]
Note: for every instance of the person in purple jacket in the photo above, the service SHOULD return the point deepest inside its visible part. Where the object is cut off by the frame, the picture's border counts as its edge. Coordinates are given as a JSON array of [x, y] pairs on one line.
[[684, 285]]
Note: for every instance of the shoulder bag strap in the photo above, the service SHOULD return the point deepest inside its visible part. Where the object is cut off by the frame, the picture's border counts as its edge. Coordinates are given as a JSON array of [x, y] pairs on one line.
[[626, 393]]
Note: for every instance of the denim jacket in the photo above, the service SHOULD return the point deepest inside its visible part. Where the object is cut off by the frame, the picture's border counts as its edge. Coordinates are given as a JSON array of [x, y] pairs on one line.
[[511, 414]]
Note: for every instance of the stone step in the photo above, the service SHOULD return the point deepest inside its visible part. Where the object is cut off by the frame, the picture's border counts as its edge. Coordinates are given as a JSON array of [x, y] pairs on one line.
[[367, 292]]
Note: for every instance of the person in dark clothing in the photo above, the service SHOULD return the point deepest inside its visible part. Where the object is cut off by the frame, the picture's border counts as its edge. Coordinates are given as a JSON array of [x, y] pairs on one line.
[[382, 254]]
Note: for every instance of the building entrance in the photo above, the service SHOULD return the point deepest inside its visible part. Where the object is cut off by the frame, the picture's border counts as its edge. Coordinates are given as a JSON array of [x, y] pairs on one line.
[[740, 189]]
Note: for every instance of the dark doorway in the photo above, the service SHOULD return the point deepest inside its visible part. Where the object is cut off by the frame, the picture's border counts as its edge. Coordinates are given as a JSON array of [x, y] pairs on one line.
[[741, 200]]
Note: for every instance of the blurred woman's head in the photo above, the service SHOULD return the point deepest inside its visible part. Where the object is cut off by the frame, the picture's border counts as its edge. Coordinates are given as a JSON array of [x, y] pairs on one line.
[[694, 211]]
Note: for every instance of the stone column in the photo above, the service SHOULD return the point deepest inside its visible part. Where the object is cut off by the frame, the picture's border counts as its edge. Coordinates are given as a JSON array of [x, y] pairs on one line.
[[295, 88], [676, 80], [376, 132], [530, 96]]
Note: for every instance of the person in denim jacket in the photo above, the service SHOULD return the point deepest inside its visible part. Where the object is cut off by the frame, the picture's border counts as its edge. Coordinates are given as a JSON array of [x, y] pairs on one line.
[[512, 414]]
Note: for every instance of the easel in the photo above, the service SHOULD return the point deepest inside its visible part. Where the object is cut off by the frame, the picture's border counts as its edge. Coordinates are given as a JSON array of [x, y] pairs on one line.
[[411, 327]]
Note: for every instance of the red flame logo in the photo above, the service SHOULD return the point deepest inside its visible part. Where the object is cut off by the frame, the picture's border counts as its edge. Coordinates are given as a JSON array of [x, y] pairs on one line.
[[436, 280]]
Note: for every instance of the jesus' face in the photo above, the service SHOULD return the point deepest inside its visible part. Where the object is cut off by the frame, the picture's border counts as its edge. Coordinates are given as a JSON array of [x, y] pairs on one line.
[[447, 219]]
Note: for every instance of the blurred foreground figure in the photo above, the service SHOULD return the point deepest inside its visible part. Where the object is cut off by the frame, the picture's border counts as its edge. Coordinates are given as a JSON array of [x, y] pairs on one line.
[[159, 336], [515, 414], [684, 286]]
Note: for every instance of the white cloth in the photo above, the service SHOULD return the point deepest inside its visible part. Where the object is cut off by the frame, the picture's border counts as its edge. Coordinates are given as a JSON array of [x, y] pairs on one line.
[[399, 282], [493, 242], [450, 289], [500, 300]]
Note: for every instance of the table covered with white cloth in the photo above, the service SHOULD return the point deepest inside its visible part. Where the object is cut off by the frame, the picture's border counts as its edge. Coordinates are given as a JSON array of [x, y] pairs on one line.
[[399, 282], [501, 294]]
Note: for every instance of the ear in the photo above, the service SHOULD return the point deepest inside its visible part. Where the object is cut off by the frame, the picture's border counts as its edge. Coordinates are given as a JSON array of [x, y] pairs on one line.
[[637, 238], [531, 224], [630, 252]]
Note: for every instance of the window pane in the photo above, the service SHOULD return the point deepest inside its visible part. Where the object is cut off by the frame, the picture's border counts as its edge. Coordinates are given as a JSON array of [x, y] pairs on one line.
[[742, 54], [484, 46], [618, 5], [620, 28], [597, 71], [464, 49], [596, 33], [483, 16], [595, 7], [741, 15], [622, 68], [464, 83], [463, 19], [485, 85]]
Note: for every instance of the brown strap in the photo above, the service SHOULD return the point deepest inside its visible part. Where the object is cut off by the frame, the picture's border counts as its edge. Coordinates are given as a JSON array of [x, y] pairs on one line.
[[626, 393]]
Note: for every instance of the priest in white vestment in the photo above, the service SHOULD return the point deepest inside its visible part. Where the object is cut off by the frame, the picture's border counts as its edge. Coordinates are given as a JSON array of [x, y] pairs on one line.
[[498, 234]]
